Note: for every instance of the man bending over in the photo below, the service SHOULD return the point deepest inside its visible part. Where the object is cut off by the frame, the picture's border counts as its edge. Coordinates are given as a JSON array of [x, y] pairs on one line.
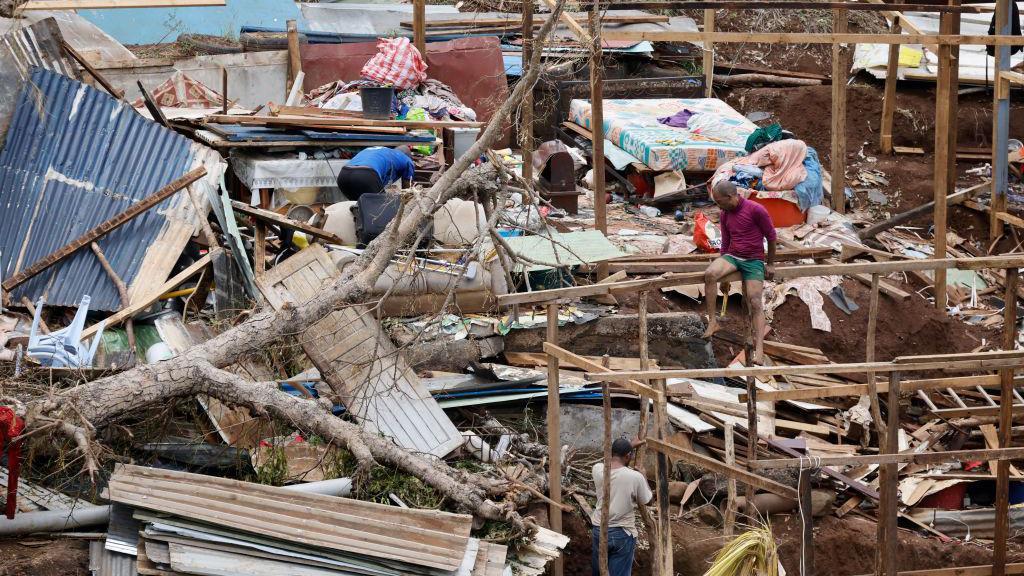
[[745, 227]]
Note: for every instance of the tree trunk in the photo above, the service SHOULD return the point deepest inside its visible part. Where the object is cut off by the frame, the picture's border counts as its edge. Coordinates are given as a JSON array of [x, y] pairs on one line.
[[198, 370]]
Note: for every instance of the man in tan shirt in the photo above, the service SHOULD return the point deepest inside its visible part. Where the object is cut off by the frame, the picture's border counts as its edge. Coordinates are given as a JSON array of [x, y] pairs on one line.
[[628, 490]]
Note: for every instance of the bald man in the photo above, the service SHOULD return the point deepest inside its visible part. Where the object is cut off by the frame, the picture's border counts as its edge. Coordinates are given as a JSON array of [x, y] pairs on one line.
[[746, 226]]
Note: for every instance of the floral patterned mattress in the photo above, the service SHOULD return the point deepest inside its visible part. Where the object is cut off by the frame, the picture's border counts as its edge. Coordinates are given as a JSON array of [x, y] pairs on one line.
[[714, 134]]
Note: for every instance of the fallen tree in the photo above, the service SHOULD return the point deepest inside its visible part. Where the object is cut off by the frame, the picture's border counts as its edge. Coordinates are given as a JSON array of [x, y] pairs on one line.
[[78, 411]]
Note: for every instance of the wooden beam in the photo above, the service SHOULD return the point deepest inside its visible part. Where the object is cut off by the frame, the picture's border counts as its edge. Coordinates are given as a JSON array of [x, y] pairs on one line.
[[538, 20], [275, 218], [102, 80], [713, 465], [975, 411], [874, 6], [953, 199], [103, 228], [908, 386], [1000, 139], [148, 300], [571, 22], [811, 38], [888, 484], [597, 125], [526, 111], [840, 22], [802, 271], [582, 363], [299, 112], [927, 458], [104, 4], [980, 361]]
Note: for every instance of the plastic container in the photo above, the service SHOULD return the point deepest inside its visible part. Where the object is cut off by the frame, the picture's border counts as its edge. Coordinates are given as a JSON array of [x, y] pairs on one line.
[[783, 212], [377, 102], [817, 214]]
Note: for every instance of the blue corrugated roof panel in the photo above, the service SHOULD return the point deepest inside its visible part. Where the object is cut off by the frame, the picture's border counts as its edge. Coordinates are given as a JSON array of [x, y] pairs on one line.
[[75, 157]]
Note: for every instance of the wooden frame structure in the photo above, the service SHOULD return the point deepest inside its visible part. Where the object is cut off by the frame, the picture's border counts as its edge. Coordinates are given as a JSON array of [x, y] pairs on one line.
[[651, 387]]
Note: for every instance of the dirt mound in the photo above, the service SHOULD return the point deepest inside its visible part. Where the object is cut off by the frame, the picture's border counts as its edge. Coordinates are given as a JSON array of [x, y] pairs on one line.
[[64, 557], [842, 547]]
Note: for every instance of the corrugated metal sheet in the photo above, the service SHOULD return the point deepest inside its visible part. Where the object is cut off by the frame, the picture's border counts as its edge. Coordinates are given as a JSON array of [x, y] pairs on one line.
[[103, 562], [73, 158], [20, 50]]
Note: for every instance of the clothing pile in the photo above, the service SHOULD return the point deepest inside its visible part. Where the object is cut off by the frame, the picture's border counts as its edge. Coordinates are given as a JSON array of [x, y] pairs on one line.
[[786, 169], [430, 98]]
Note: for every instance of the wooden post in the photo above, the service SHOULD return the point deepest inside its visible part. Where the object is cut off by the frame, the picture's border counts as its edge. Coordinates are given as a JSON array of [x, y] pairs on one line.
[[597, 120], [869, 353], [661, 468], [730, 498], [889, 101], [943, 156], [259, 253], [606, 477], [709, 53], [294, 56], [224, 90], [839, 25], [645, 364], [526, 111], [554, 437], [888, 485], [419, 26], [1000, 125], [806, 523], [748, 353], [1005, 422]]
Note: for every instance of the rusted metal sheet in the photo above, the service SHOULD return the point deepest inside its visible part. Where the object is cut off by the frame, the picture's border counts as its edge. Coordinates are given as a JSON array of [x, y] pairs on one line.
[[472, 67]]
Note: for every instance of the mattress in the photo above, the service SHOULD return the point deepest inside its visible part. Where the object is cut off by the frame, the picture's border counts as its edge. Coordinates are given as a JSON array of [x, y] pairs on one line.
[[714, 135]]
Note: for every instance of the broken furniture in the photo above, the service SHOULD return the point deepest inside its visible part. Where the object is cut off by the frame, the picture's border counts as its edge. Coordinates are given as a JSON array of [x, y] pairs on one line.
[[556, 176], [62, 348]]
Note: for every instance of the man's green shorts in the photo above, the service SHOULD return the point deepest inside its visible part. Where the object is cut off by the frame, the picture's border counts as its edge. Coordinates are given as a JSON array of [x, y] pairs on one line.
[[752, 269]]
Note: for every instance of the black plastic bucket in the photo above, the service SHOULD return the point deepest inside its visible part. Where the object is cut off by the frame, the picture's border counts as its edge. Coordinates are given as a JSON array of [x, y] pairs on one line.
[[377, 102]]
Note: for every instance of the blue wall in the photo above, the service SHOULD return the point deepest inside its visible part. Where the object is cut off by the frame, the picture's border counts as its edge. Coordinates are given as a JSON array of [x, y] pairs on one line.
[[152, 25]]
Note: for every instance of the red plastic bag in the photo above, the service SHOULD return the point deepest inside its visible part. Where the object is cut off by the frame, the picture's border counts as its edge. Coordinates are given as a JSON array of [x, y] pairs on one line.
[[705, 234], [397, 63]]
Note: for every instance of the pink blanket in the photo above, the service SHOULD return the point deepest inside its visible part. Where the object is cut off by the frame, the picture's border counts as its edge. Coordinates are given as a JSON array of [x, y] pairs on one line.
[[781, 161]]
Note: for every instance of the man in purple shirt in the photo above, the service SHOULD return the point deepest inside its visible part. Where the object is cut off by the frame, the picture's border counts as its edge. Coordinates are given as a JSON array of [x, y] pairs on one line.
[[745, 227]]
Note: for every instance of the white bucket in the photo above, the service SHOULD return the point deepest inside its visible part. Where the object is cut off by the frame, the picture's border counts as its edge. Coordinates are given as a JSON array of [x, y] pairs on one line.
[[816, 214]]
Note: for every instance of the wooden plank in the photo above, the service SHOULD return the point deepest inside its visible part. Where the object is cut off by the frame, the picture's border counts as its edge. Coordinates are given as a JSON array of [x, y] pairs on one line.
[[419, 26], [275, 218], [781, 273], [974, 411], [104, 4], [142, 304], [713, 465], [908, 386], [294, 58], [782, 255], [296, 112], [589, 366], [513, 20], [540, 360], [597, 123], [810, 38], [840, 22], [875, 6], [981, 361], [103, 228], [574, 26], [102, 80], [888, 484], [927, 458]]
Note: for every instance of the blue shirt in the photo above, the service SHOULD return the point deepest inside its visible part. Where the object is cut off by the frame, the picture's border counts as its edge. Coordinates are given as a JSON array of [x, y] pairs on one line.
[[388, 163]]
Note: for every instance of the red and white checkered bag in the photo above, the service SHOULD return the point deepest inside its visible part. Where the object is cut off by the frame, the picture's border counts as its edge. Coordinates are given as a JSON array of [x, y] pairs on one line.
[[397, 63]]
